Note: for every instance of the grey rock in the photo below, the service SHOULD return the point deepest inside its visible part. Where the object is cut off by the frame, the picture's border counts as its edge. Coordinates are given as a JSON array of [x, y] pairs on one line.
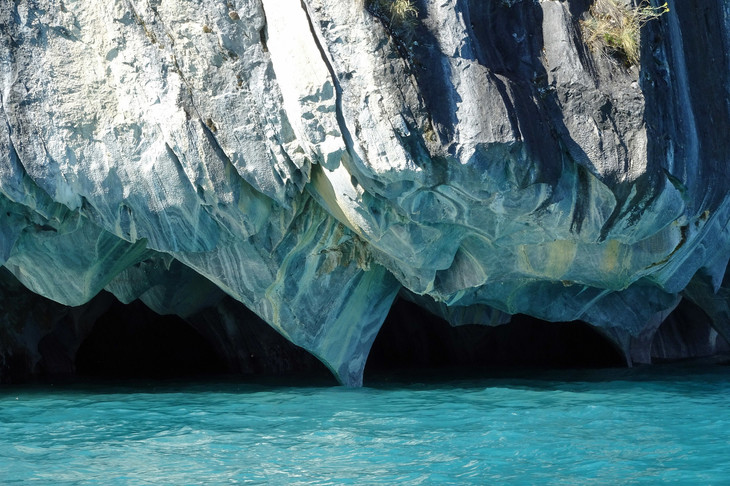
[[310, 160]]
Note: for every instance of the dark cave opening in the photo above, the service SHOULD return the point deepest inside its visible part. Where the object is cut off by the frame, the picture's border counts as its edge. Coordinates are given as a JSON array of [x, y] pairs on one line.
[[687, 333], [411, 338], [132, 341]]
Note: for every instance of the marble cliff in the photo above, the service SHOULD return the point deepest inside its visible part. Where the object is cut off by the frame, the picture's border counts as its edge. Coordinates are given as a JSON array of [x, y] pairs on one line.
[[314, 160]]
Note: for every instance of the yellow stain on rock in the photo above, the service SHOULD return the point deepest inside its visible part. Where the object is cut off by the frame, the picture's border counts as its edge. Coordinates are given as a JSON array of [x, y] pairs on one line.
[[610, 260], [551, 259]]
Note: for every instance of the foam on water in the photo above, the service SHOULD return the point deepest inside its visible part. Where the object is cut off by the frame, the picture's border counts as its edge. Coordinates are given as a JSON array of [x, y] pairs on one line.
[[668, 424]]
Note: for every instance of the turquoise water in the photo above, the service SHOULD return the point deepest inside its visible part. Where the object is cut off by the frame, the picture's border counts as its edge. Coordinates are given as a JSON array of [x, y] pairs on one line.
[[667, 424]]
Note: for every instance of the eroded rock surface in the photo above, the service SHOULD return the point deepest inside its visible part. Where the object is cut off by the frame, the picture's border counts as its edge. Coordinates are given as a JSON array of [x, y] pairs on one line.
[[311, 162]]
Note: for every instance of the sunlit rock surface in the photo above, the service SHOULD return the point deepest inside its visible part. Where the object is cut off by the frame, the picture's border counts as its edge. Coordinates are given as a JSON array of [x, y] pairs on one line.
[[312, 161]]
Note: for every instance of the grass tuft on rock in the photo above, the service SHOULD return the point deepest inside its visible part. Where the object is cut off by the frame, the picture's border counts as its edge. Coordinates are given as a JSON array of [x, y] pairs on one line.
[[614, 25], [402, 15]]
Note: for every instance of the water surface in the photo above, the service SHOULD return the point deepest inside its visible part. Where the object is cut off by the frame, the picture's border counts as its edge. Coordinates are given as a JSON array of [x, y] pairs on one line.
[[666, 424]]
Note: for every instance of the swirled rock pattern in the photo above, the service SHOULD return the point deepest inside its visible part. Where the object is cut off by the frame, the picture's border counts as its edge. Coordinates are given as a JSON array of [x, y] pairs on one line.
[[311, 161]]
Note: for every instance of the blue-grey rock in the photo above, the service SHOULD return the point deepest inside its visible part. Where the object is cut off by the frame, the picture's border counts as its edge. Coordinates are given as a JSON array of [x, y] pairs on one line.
[[312, 160]]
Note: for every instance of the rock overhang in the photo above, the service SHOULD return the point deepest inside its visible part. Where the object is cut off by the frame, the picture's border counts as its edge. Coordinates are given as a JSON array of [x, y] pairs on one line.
[[312, 166]]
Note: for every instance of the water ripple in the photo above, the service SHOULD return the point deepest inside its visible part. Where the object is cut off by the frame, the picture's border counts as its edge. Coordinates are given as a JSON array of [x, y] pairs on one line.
[[639, 429]]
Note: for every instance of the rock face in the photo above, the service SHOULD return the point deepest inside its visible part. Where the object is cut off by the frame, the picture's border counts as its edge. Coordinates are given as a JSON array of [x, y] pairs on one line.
[[312, 161]]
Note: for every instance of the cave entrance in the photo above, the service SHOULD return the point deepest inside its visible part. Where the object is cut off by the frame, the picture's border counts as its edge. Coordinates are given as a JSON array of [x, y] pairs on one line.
[[687, 333], [414, 339], [132, 341]]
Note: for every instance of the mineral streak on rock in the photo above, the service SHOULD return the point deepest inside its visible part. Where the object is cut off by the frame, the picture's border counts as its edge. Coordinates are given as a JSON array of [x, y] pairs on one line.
[[308, 161]]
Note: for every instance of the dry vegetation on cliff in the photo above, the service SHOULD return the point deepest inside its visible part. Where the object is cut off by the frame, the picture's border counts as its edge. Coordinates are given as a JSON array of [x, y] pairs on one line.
[[613, 27], [400, 14]]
